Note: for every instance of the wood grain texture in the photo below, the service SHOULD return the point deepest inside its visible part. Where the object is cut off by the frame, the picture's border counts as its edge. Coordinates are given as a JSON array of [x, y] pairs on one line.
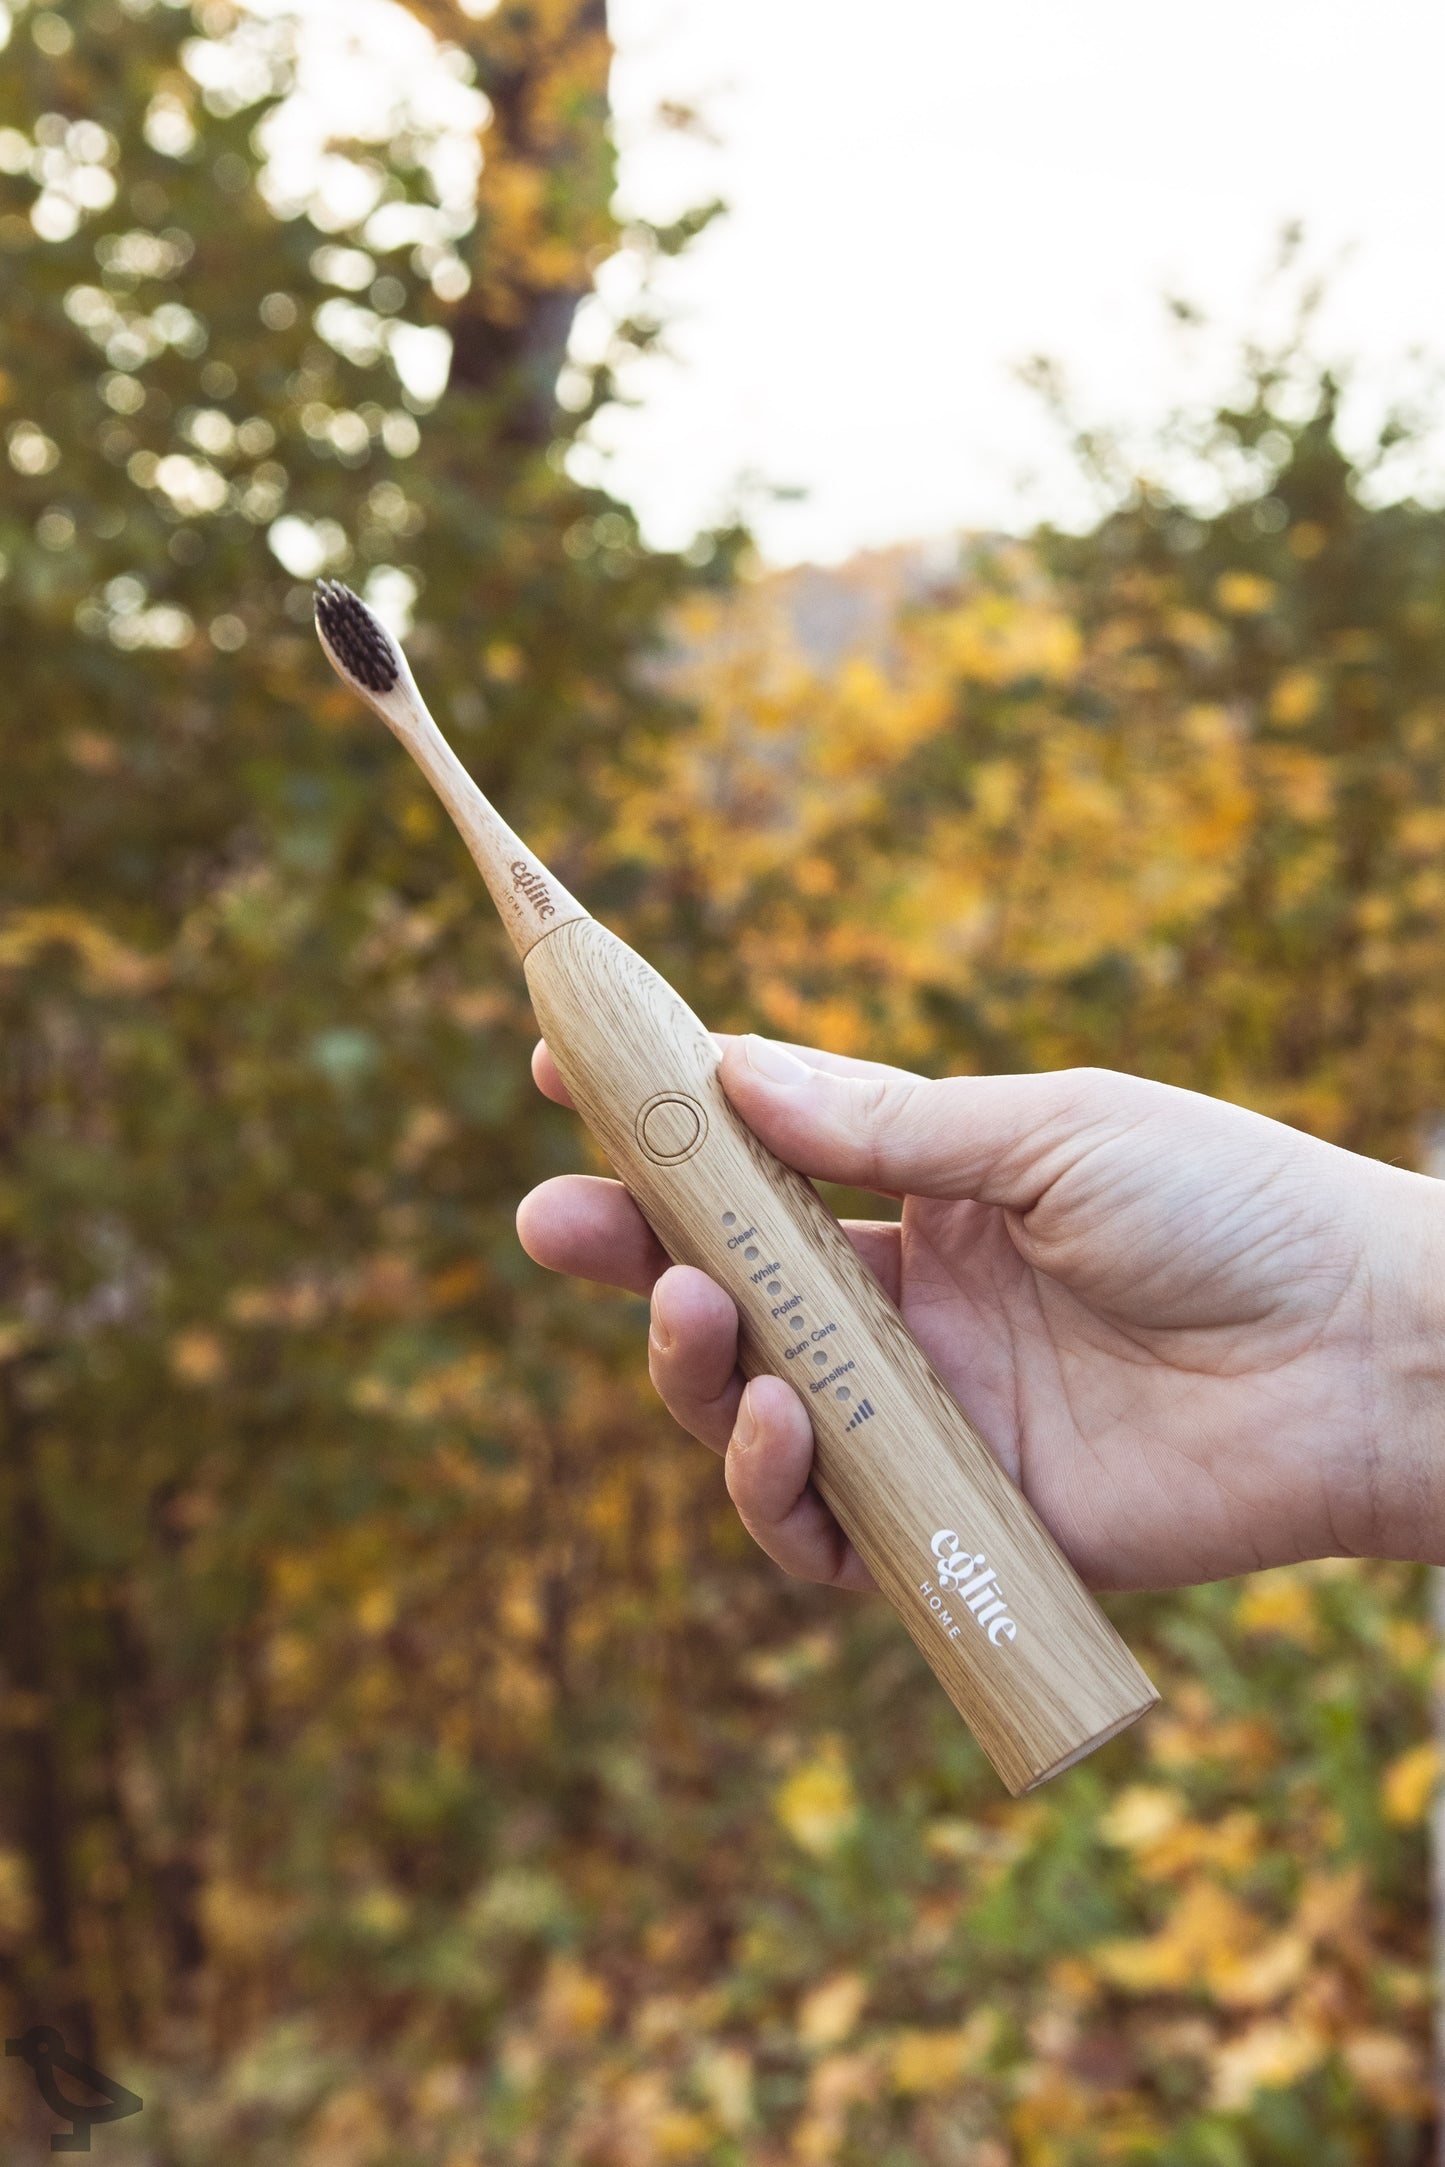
[[1017, 1642]]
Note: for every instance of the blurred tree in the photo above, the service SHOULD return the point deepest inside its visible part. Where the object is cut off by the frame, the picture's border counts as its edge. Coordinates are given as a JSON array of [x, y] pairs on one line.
[[264, 1071]]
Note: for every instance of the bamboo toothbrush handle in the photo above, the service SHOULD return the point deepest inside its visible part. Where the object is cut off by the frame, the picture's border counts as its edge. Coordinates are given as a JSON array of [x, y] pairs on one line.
[[1019, 1645]]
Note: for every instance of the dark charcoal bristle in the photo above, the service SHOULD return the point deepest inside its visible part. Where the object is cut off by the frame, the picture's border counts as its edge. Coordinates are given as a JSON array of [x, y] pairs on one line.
[[358, 642]]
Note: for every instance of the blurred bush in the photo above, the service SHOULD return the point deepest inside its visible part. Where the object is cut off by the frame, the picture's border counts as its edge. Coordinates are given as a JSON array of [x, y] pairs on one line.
[[406, 1760]]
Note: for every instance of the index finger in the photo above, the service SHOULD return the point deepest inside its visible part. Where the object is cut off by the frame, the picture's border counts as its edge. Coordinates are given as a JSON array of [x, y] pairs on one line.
[[591, 1228], [548, 1080]]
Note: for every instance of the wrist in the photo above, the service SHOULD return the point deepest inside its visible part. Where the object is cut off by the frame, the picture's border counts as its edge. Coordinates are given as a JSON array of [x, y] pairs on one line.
[[1403, 1325]]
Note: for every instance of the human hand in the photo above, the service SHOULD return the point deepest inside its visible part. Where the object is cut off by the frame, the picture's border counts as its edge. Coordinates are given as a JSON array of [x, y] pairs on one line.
[[1201, 1342]]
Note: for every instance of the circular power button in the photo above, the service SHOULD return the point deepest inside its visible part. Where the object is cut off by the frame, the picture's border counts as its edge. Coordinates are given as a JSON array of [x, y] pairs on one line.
[[670, 1128]]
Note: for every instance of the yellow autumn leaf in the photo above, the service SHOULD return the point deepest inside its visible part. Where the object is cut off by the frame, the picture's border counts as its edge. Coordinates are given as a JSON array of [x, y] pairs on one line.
[[818, 1805], [995, 640], [935, 2061], [198, 1357], [1331, 1906], [375, 1610], [1055, 2105], [1390, 2070], [1262, 1976], [574, 2002], [1408, 1641], [110, 965], [1409, 1784], [243, 1921], [1268, 2056], [1226, 1846], [1304, 784], [995, 785], [1243, 594], [1295, 698], [838, 2083], [1191, 628], [381, 1913], [1140, 1815], [724, 2076], [680, 2134], [1206, 1926], [17, 1901], [1209, 725], [503, 662], [1278, 1602], [440, 2090], [351, 2125], [831, 2011]]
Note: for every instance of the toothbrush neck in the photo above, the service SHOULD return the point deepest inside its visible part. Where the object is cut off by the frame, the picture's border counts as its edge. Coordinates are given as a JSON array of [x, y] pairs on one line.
[[530, 900]]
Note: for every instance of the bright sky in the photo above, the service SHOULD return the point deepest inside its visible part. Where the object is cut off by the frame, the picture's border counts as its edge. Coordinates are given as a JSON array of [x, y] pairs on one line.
[[923, 192]]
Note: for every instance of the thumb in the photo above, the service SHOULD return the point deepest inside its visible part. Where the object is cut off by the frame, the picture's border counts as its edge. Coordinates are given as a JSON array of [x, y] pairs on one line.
[[999, 1139]]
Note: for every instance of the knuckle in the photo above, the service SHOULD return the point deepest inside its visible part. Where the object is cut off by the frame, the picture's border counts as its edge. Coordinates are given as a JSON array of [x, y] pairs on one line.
[[1086, 1092], [883, 1109], [731, 1475], [1101, 1102]]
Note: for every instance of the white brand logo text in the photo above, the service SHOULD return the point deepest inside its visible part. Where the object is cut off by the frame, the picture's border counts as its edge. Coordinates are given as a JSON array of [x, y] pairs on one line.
[[973, 1584]]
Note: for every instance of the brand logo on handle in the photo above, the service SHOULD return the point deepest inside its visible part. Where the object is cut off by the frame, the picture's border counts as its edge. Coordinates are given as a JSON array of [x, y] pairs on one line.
[[966, 1581], [533, 887]]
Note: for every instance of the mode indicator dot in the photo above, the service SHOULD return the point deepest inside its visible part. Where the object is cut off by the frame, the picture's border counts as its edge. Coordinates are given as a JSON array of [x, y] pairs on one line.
[[730, 1218]]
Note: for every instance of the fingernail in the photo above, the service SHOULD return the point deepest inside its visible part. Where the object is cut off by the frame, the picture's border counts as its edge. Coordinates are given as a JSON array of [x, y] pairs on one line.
[[775, 1062], [744, 1427], [659, 1332]]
